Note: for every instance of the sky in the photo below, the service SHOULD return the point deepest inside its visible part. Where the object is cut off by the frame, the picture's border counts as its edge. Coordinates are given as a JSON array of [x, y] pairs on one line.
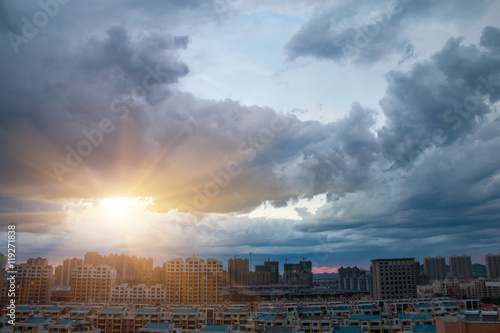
[[337, 131]]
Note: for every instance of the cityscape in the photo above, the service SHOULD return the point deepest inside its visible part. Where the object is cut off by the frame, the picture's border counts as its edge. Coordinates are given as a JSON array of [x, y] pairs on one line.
[[250, 166], [122, 293]]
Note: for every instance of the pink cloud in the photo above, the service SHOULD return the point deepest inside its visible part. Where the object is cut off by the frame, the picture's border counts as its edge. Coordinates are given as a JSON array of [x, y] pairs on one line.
[[320, 270]]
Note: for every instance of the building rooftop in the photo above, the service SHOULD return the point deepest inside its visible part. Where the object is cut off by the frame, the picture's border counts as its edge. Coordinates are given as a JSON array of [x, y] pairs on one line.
[[215, 328], [35, 321], [365, 317], [367, 307], [113, 310], [24, 308], [55, 309], [184, 311], [415, 316], [155, 327], [80, 310], [424, 328], [149, 310]]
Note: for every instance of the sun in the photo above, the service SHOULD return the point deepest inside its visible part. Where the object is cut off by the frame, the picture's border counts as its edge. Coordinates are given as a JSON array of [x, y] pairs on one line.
[[123, 209]]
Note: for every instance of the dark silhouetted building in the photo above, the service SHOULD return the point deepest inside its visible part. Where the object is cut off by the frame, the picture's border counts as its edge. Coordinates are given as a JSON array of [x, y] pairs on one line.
[[461, 267], [493, 265], [273, 268], [236, 267], [298, 274], [435, 268]]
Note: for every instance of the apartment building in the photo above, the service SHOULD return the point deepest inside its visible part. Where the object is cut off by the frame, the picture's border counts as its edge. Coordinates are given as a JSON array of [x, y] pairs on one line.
[[34, 281], [194, 281], [394, 278], [92, 283]]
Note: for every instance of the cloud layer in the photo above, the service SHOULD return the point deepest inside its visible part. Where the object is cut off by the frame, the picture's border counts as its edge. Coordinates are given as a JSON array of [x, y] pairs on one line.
[[92, 114]]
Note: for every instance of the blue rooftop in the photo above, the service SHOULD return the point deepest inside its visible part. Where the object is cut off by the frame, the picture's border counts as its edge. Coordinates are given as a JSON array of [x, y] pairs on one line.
[[449, 304], [155, 327], [234, 311], [270, 310], [424, 328], [54, 308], [69, 322], [266, 317], [153, 310], [420, 306], [367, 307], [23, 308], [356, 329], [215, 328], [184, 311], [80, 309], [313, 309], [340, 308], [35, 321], [113, 309], [415, 316], [365, 317]]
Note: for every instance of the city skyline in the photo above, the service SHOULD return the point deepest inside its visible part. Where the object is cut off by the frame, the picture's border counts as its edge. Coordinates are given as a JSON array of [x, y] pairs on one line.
[[339, 131], [258, 262]]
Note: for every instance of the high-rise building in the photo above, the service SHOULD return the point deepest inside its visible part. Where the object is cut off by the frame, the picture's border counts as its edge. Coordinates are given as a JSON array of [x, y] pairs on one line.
[[34, 280], [256, 278], [58, 275], [92, 283], [67, 270], [493, 265], [420, 279], [461, 266], [349, 276], [298, 274], [435, 268], [194, 281], [235, 268], [273, 268], [92, 258], [130, 269], [394, 278], [3, 264], [159, 275]]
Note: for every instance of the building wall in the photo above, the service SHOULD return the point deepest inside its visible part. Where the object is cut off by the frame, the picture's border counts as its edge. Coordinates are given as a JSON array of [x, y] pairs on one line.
[[461, 267], [34, 280], [435, 268], [298, 274], [91, 283], [236, 267], [194, 281], [443, 326], [394, 278], [493, 265], [67, 270]]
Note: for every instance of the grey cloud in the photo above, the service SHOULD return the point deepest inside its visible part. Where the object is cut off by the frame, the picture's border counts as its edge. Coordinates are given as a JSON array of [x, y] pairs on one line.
[[438, 101], [367, 32], [490, 38]]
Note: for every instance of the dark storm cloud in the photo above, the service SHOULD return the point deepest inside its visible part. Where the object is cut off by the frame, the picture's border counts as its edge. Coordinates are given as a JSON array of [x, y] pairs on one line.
[[442, 140], [367, 31], [440, 100], [491, 38]]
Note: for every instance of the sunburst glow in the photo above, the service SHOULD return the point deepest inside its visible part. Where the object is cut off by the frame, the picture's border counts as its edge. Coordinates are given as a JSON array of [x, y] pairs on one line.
[[123, 207]]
